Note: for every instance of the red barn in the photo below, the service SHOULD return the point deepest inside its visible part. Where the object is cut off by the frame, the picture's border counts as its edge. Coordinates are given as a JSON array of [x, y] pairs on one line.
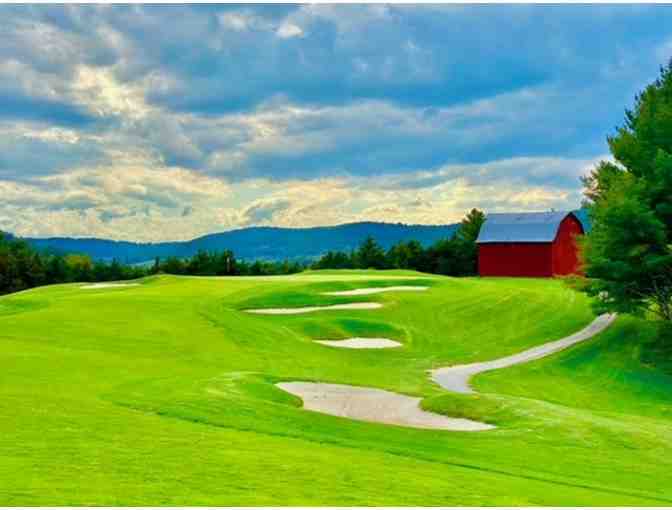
[[529, 244]]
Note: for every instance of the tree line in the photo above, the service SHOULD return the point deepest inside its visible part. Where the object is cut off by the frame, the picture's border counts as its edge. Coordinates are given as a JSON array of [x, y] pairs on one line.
[[223, 263], [23, 267], [456, 256]]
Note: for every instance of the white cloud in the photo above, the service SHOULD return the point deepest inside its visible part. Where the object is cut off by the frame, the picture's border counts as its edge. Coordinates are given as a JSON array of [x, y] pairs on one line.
[[303, 116], [289, 30], [99, 90], [145, 201], [239, 22]]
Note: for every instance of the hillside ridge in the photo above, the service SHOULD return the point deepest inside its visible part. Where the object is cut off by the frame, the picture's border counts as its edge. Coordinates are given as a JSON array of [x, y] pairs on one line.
[[263, 242]]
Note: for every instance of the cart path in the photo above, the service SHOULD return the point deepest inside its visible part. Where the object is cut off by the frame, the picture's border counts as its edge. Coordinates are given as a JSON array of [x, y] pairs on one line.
[[381, 406], [456, 378]]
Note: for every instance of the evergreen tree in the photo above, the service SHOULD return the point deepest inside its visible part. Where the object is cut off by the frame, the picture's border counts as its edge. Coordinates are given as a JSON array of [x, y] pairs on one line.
[[56, 271], [370, 255], [628, 253], [173, 265], [464, 243]]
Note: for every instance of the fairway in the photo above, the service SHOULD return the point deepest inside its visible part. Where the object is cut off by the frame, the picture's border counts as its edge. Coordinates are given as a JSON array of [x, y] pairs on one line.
[[166, 393]]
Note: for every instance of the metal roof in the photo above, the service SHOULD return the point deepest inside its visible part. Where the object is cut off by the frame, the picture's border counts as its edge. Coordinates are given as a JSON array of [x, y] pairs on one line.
[[539, 227]]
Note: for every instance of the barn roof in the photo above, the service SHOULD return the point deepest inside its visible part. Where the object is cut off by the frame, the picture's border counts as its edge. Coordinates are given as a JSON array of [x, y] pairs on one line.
[[521, 227]]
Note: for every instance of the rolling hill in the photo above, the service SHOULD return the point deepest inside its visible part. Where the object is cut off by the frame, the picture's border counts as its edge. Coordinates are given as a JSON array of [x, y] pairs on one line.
[[164, 394], [266, 243], [271, 243]]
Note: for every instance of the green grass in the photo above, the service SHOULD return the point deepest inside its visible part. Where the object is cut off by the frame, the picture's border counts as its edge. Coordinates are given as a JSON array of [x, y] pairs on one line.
[[163, 394]]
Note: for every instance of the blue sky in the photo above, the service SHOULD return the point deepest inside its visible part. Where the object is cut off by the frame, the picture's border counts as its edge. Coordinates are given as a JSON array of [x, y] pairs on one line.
[[168, 122]]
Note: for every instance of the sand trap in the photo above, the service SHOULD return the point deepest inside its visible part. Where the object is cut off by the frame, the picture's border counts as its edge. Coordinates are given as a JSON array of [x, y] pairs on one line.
[[108, 285], [309, 309], [361, 343], [456, 378], [375, 290], [374, 405]]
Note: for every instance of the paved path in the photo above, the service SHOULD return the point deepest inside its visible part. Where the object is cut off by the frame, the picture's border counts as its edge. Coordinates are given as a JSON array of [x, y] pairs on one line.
[[375, 405], [456, 378]]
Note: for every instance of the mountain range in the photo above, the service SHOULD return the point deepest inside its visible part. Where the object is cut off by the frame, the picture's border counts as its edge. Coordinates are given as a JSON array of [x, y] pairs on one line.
[[268, 243]]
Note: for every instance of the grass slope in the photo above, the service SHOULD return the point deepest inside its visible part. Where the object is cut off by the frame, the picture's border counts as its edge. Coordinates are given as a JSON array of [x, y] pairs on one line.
[[163, 394]]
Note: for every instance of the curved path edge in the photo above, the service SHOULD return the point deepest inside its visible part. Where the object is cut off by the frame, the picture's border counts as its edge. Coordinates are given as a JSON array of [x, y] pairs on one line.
[[456, 378]]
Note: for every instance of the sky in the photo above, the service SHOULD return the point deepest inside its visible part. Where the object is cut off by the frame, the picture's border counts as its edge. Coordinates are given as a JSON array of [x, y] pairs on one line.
[[154, 123]]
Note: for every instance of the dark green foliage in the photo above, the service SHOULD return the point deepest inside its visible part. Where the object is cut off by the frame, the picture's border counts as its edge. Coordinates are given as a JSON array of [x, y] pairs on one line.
[[335, 260], [23, 267], [407, 255], [260, 267], [370, 255], [628, 252], [20, 266], [455, 256], [470, 226], [223, 263]]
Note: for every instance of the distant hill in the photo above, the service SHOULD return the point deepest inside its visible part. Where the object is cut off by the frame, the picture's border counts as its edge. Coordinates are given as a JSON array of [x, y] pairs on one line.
[[270, 243]]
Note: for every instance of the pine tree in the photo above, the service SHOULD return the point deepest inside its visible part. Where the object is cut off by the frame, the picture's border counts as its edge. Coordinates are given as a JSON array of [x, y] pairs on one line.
[[628, 253]]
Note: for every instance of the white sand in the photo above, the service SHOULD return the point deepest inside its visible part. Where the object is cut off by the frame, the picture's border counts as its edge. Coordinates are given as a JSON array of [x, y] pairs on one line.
[[361, 343], [107, 285], [308, 309], [374, 405], [343, 275], [456, 378], [375, 290]]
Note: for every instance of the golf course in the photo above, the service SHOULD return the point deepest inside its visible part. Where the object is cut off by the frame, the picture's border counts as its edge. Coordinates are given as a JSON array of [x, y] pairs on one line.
[[178, 390]]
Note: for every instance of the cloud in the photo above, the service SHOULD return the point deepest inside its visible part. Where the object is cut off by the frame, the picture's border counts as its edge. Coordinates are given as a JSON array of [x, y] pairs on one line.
[[109, 215], [263, 210], [414, 56], [152, 203], [310, 114], [29, 150], [76, 201], [289, 30], [561, 173]]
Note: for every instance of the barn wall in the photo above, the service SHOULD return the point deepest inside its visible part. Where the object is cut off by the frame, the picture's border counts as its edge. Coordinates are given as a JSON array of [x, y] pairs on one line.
[[515, 259], [565, 249]]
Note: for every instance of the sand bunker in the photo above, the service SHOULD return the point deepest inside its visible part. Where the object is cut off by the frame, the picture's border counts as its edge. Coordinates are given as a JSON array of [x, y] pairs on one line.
[[309, 309], [374, 405], [456, 378], [361, 343], [375, 290], [108, 285]]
